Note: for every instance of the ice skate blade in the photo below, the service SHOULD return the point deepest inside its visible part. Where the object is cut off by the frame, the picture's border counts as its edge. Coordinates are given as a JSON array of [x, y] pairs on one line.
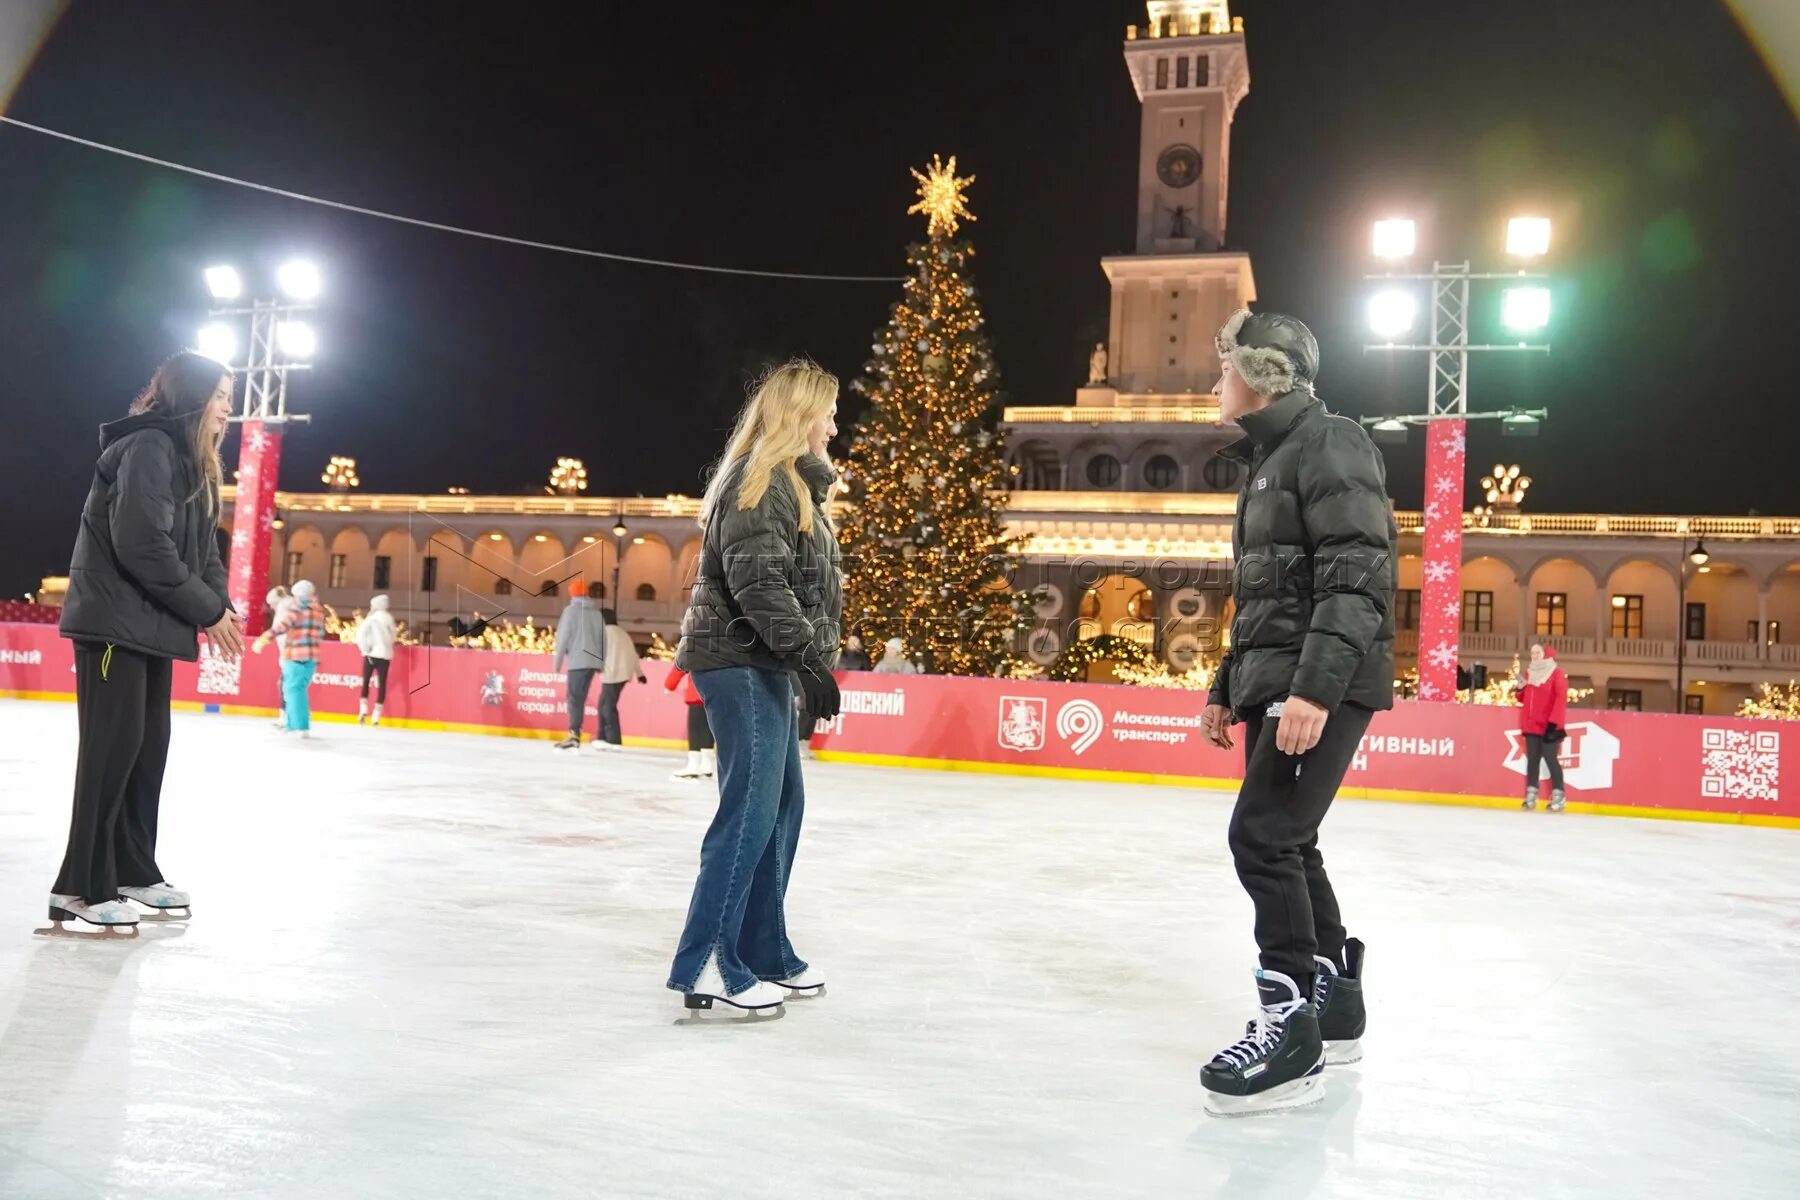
[[1301, 1093], [166, 916], [717, 1010], [1342, 1054], [98, 933], [806, 993]]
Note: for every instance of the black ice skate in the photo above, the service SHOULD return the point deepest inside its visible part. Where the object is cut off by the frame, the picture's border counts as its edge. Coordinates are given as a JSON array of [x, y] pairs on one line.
[[572, 742], [1278, 1063], [1338, 997]]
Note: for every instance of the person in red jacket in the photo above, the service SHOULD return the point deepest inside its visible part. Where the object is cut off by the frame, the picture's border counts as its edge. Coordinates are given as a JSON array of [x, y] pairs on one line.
[[1545, 698], [701, 759]]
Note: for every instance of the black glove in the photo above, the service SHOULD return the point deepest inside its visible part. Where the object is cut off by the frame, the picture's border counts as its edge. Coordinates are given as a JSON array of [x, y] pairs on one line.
[[641, 679], [822, 699]]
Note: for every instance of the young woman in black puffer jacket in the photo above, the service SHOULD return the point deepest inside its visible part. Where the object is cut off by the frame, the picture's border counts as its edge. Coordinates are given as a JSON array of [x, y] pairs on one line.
[[767, 601], [144, 581]]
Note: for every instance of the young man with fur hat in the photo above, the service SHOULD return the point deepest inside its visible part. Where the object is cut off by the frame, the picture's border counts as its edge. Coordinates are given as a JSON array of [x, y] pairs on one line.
[[1310, 662]]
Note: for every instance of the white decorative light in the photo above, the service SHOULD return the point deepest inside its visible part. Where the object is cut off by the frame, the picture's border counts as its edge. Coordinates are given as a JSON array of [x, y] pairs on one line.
[[218, 341], [301, 279], [297, 339], [224, 283], [1528, 237], [1525, 309], [1395, 238], [1392, 313]]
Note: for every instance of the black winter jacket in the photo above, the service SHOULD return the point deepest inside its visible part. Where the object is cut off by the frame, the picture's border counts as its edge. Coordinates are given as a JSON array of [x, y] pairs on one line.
[[1314, 575], [767, 595], [146, 572]]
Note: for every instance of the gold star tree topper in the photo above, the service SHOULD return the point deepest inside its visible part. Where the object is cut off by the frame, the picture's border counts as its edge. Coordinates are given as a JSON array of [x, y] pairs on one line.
[[941, 197]]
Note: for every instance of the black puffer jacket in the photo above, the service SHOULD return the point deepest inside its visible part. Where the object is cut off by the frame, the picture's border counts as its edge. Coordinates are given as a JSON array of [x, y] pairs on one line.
[[1314, 579], [767, 595], [146, 572]]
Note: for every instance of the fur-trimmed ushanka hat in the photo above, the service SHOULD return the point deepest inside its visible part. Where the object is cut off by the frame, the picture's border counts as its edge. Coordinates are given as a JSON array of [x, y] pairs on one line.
[[1275, 353]]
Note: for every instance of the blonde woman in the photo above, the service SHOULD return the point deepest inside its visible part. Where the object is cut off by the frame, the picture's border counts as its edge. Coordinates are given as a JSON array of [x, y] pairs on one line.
[[767, 600], [144, 581]]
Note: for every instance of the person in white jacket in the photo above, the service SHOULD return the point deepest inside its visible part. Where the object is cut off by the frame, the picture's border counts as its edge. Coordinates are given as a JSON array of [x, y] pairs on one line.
[[622, 666], [894, 660], [375, 637]]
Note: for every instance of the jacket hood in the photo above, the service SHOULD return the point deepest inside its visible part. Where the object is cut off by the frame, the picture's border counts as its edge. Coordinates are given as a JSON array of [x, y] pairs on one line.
[[124, 427], [581, 602], [304, 591], [378, 604], [895, 645], [818, 474]]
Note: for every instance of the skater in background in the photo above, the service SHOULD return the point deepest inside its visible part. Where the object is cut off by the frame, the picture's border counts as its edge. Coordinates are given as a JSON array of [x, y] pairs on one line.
[[145, 579], [279, 602], [581, 647], [1311, 660], [1545, 699], [894, 660], [767, 600], [375, 637], [302, 633], [700, 759], [622, 666], [854, 657]]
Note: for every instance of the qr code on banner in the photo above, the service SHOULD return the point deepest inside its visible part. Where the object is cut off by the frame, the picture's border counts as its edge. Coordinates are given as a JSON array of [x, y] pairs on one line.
[[217, 676], [1741, 764]]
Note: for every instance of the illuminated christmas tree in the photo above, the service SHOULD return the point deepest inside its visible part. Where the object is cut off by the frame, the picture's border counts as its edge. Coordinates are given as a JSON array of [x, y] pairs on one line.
[[927, 555], [1776, 701]]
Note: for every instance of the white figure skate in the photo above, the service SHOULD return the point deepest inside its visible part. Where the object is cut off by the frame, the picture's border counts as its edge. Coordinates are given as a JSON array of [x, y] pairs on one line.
[[109, 918], [709, 763], [164, 902], [807, 985], [763, 1002], [375, 716], [693, 768]]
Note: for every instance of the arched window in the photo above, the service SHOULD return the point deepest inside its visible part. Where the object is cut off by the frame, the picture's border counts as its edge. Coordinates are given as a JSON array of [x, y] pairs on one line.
[[1221, 474], [646, 591], [1161, 472], [1103, 471]]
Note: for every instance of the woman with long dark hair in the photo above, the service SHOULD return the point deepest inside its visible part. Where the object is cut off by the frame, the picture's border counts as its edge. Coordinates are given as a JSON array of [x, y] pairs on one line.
[[767, 601], [144, 581]]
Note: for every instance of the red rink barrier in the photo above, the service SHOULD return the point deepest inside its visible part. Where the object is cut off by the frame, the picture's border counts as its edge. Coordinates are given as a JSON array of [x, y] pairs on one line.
[[1642, 764]]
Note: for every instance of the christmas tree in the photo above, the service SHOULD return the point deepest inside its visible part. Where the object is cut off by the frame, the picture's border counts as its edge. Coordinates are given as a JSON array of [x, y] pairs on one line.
[[928, 559]]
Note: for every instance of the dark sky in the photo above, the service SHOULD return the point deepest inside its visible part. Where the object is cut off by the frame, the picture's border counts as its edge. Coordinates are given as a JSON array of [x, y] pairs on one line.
[[1647, 128]]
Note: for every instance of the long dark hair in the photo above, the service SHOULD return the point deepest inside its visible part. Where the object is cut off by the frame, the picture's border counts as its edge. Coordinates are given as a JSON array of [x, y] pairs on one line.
[[181, 389]]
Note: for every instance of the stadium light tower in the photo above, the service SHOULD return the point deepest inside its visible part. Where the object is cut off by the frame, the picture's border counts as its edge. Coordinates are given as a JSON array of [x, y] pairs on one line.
[[1392, 312], [279, 342]]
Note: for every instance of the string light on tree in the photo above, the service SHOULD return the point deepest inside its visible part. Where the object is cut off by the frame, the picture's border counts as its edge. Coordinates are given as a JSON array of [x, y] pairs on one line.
[[927, 554], [340, 474], [568, 477], [1774, 701]]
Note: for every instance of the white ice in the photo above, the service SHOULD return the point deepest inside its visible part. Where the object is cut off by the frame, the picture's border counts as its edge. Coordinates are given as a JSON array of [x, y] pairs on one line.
[[425, 965]]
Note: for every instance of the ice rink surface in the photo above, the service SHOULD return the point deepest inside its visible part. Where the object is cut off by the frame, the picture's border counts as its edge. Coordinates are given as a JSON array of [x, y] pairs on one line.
[[426, 965]]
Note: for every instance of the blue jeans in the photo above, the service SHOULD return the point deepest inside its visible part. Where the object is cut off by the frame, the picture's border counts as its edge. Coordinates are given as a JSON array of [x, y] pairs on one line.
[[748, 853], [296, 677]]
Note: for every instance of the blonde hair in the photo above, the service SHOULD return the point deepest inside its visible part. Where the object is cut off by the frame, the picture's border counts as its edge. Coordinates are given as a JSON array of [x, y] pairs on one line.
[[771, 434]]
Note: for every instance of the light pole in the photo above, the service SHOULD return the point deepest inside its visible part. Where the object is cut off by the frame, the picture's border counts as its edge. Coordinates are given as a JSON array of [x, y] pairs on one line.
[[1698, 557], [1525, 309], [279, 343], [618, 531]]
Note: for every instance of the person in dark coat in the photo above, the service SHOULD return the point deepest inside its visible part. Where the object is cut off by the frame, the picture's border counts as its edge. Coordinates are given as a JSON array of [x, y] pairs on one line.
[[1311, 660], [144, 581], [767, 601], [854, 657]]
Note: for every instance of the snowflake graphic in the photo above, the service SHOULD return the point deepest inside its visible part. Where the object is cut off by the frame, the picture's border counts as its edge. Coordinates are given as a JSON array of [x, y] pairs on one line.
[[268, 522], [258, 441], [1444, 486], [1428, 691], [1457, 442], [240, 538], [1449, 534], [1453, 609], [1437, 571], [1432, 510], [1442, 655]]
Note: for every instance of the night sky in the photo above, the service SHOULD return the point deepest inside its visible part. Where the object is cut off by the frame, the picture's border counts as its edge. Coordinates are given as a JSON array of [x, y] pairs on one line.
[[1647, 128]]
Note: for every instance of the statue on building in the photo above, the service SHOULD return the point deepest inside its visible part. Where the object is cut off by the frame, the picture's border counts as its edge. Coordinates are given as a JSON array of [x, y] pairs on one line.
[[1178, 224], [1097, 365]]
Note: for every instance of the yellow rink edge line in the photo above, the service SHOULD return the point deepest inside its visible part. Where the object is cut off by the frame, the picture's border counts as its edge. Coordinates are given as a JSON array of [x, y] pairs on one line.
[[1028, 770]]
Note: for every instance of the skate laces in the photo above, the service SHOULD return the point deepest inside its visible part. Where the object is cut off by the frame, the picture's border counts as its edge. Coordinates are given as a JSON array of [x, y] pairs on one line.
[[1262, 1035]]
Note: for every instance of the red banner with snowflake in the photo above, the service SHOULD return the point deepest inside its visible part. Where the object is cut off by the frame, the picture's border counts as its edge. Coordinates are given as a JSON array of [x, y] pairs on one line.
[[1440, 589], [252, 527]]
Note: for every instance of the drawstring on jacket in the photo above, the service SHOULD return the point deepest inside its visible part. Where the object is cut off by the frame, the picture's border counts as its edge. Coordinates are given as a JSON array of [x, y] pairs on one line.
[[106, 661]]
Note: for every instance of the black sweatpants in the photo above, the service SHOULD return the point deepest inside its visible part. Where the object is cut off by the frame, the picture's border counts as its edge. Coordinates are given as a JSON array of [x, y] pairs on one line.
[[1275, 839], [376, 668], [609, 713], [700, 734], [581, 680], [122, 708], [1536, 748]]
